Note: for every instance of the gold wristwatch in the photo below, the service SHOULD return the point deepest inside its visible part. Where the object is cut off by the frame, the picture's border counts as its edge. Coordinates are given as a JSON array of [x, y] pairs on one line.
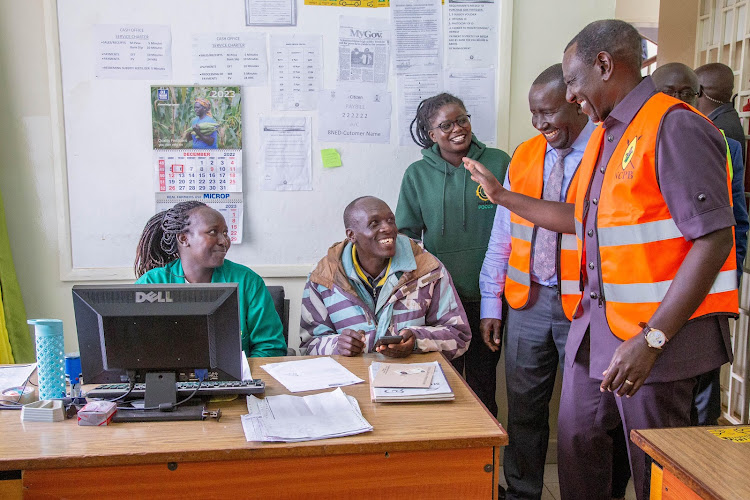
[[654, 338]]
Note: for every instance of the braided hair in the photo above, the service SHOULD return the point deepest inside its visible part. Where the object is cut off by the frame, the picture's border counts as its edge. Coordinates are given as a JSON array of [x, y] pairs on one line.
[[158, 244], [420, 125]]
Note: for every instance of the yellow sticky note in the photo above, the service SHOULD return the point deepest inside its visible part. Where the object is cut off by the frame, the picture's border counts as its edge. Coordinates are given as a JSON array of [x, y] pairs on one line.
[[331, 158]]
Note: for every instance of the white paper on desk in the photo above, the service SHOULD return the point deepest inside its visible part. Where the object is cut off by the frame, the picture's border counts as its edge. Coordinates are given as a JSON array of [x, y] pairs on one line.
[[294, 418], [311, 374], [15, 375]]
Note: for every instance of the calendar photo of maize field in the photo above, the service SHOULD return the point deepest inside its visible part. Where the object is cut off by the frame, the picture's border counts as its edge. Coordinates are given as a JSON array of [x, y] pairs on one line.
[[197, 117]]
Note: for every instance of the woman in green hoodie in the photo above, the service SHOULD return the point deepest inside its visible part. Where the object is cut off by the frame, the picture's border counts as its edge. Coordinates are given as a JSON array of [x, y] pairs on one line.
[[440, 205]]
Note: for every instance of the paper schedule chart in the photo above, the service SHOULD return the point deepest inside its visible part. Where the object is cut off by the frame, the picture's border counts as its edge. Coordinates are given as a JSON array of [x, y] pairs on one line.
[[191, 170], [230, 205]]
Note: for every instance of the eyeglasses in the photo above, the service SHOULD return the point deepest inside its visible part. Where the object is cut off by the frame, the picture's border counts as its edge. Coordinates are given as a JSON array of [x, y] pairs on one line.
[[447, 126], [682, 95]]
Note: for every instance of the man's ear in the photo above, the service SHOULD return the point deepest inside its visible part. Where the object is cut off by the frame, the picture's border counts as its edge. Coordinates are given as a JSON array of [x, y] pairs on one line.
[[605, 64], [350, 235]]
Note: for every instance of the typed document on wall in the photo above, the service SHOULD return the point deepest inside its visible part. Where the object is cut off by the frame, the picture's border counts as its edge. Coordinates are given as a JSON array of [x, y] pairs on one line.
[[285, 153]]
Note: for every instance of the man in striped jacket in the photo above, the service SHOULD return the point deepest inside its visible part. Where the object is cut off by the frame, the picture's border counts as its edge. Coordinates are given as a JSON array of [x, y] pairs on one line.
[[378, 283]]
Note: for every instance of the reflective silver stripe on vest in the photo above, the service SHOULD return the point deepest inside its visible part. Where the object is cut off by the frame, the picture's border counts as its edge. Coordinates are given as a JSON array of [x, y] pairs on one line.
[[519, 276], [569, 242], [570, 287], [654, 292], [579, 230], [638, 234], [521, 232]]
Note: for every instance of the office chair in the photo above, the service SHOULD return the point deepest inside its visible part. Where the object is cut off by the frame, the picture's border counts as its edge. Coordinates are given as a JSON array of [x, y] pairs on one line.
[[281, 304]]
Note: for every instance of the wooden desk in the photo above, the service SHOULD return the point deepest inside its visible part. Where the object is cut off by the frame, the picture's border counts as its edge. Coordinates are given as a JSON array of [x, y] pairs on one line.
[[416, 450], [692, 463]]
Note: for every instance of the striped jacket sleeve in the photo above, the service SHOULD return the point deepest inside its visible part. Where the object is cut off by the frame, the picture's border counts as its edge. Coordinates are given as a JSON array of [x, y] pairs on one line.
[[449, 329], [317, 332]]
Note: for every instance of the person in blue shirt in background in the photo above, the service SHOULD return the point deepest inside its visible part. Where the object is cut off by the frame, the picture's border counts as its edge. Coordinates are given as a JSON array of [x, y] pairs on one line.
[[203, 139]]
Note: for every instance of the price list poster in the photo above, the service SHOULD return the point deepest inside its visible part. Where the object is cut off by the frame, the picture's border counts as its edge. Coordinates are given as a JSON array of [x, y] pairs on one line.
[[197, 141]]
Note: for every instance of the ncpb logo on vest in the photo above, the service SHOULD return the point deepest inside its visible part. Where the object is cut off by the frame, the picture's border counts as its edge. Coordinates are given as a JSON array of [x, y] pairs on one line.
[[153, 297]]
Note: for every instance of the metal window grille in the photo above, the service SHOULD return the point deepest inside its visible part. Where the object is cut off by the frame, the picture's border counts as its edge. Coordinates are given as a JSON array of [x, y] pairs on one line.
[[723, 35]]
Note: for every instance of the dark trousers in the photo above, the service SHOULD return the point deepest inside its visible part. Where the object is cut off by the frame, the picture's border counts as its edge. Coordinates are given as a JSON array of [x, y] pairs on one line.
[[707, 398], [479, 363], [587, 416], [534, 347]]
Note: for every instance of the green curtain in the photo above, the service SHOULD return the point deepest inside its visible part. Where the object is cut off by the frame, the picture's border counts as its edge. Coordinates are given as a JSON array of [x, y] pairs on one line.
[[15, 341]]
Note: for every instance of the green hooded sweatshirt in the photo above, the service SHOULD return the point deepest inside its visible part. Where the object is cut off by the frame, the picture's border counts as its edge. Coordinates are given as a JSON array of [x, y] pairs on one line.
[[440, 205]]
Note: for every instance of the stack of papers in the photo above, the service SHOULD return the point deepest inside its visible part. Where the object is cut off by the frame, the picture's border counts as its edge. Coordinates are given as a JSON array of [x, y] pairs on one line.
[[311, 374], [439, 389], [295, 418]]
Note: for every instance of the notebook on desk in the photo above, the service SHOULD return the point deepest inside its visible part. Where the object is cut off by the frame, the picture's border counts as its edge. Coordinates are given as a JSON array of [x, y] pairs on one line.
[[439, 389]]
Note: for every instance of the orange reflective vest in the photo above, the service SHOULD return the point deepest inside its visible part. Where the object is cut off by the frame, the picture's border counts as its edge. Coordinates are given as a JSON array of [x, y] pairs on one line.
[[526, 176], [640, 246]]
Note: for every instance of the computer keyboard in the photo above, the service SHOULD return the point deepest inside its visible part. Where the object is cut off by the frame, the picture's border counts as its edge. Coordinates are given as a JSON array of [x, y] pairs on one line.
[[184, 389]]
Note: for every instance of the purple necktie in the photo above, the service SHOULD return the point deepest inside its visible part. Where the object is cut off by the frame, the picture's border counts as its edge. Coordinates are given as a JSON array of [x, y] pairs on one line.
[[545, 246]]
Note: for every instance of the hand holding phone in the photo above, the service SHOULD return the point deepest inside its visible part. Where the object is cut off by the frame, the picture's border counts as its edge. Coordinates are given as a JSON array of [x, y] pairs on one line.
[[389, 339]]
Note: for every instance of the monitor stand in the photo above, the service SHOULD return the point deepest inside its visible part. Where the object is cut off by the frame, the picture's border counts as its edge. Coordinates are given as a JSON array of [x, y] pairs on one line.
[[161, 388]]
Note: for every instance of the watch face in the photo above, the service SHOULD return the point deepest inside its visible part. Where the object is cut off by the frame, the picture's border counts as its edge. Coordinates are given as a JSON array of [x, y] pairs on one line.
[[656, 338]]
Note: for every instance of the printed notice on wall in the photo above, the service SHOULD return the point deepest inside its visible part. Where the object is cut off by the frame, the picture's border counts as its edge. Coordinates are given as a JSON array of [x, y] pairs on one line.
[[286, 153], [364, 50], [296, 71], [348, 115], [230, 59], [230, 205], [412, 89], [134, 52], [349, 3], [271, 12], [476, 88], [472, 33], [417, 35]]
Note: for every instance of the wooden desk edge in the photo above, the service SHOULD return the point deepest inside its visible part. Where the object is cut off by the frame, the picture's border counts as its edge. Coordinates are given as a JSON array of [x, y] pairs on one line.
[[659, 456]]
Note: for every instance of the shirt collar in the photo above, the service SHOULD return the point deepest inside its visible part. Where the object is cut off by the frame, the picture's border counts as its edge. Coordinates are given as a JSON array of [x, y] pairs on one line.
[[625, 110], [720, 110]]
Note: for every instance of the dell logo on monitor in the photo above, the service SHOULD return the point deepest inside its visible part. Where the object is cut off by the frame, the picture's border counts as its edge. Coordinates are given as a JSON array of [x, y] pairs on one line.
[[153, 297]]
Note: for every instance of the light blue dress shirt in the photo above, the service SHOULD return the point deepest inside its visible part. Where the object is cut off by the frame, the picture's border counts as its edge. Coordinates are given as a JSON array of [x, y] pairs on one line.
[[495, 266]]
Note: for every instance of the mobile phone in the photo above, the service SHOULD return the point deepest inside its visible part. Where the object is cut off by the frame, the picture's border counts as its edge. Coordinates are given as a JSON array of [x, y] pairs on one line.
[[389, 339]]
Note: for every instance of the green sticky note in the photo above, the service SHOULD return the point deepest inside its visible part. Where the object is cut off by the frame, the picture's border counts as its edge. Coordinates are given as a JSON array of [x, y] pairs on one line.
[[331, 158]]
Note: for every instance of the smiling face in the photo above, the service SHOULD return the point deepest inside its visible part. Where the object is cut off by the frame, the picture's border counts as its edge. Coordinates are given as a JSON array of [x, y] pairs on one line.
[[458, 139], [585, 83], [557, 119], [205, 242], [373, 230]]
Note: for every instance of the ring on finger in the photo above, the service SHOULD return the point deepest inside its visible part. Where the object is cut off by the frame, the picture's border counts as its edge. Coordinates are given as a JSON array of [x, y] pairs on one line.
[[629, 382]]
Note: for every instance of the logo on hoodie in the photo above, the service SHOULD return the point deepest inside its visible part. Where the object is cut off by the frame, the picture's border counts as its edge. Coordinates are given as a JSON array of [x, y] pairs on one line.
[[484, 200]]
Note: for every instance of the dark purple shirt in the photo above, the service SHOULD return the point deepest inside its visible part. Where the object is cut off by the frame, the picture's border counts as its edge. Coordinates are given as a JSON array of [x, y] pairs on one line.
[[691, 168]]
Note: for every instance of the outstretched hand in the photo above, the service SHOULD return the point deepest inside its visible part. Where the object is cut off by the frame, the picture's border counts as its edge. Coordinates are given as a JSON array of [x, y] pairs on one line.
[[479, 174]]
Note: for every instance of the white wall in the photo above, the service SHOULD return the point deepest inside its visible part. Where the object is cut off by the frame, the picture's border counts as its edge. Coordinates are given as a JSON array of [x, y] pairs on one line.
[[541, 29]]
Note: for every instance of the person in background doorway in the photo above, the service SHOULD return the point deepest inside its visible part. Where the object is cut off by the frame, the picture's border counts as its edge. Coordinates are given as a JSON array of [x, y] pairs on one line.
[[679, 81]]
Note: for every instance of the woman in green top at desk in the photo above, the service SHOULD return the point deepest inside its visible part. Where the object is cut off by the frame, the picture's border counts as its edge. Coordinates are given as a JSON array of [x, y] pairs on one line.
[[188, 244]]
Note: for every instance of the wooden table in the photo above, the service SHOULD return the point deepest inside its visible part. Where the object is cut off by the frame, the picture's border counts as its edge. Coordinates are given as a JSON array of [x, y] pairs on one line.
[[693, 463], [416, 450]]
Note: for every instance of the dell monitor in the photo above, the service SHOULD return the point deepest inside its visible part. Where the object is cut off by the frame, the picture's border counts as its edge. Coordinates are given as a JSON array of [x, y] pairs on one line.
[[158, 334]]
